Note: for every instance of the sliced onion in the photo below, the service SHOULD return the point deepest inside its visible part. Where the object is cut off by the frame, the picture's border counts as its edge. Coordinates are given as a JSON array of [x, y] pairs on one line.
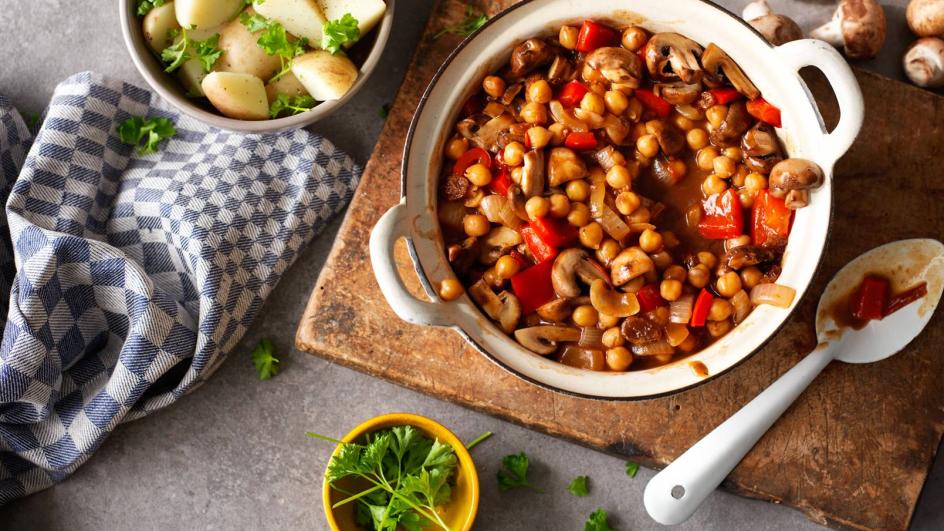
[[498, 209], [597, 195], [494, 109], [594, 120], [690, 111], [742, 306], [563, 116], [616, 128], [613, 224], [591, 337], [660, 168], [693, 216], [680, 311], [451, 214], [773, 294], [676, 333], [656, 348], [605, 157], [638, 228]]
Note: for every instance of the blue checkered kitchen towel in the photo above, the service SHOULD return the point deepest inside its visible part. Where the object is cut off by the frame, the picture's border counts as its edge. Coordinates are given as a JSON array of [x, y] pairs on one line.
[[131, 277]]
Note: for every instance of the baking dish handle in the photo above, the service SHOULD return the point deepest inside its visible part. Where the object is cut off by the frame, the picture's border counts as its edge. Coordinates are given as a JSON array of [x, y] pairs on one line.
[[812, 52], [391, 227]]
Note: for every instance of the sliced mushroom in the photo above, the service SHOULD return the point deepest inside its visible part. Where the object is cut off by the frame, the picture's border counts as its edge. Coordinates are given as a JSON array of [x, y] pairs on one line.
[[561, 70], [504, 307], [544, 339], [518, 200], [515, 133], [629, 264], [571, 264], [529, 55], [482, 131], [858, 26], [511, 93], [564, 165], [558, 310], [613, 303], [751, 255], [462, 255], [736, 123], [671, 140], [791, 177], [640, 331], [926, 17], [678, 93], [761, 148], [532, 174], [673, 56], [719, 65], [617, 65], [498, 241], [924, 62]]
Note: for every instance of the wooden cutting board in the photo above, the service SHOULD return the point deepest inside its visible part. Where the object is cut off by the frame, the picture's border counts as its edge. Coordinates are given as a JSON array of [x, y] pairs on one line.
[[855, 449]]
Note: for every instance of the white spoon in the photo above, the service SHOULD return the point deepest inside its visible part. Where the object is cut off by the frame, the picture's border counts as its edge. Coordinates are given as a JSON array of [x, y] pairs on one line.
[[674, 494]]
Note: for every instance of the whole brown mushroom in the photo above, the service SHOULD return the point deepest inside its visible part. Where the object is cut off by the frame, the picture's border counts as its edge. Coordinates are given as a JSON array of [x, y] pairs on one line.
[[792, 180], [858, 26], [777, 29], [924, 62], [926, 17]]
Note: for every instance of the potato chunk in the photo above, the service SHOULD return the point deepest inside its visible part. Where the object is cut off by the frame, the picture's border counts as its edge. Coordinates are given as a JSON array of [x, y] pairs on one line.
[[324, 76], [287, 84], [206, 13], [157, 25], [367, 12], [240, 96], [242, 55], [302, 18]]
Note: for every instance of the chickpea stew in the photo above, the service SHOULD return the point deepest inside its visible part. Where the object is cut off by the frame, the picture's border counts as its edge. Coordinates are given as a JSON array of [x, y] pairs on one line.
[[615, 199]]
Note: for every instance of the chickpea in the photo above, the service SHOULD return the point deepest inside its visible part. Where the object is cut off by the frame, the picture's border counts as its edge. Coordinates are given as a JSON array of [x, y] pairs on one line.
[[450, 289], [607, 321], [640, 215], [533, 113], [456, 147], [670, 290], [578, 190], [746, 197], [696, 138], [678, 169], [476, 225], [478, 174], [579, 214], [648, 145], [669, 239], [592, 102], [724, 166], [591, 235], [650, 241], [719, 328], [716, 115], [713, 185], [612, 337], [494, 86], [585, 316], [728, 284], [537, 207], [516, 174], [689, 344], [705, 157], [539, 92], [639, 128], [675, 272], [662, 261], [634, 38], [568, 37], [755, 182], [618, 358], [618, 177], [556, 130], [708, 258], [740, 176], [698, 276], [720, 310], [608, 251], [560, 206], [490, 276], [683, 123], [750, 277], [733, 153], [539, 137], [627, 202], [513, 154], [616, 102], [634, 111]]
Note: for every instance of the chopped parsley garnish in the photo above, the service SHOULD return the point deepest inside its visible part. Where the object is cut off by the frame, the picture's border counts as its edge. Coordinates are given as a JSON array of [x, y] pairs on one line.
[[514, 473], [288, 105], [597, 522], [145, 6], [263, 357], [631, 469], [150, 131], [274, 40], [473, 20], [337, 33], [176, 54], [579, 486], [208, 51]]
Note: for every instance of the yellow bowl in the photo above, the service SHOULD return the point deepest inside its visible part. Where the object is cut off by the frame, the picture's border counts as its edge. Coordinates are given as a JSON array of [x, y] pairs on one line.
[[459, 514]]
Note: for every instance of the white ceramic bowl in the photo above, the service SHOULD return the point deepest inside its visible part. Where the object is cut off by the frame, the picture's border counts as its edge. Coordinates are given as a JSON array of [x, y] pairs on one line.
[[775, 72]]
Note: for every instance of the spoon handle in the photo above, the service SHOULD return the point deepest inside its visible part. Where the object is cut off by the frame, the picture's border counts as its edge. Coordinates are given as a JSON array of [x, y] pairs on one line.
[[674, 494]]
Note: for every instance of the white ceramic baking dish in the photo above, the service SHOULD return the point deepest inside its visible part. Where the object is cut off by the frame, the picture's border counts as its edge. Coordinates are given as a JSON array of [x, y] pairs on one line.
[[775, 72]]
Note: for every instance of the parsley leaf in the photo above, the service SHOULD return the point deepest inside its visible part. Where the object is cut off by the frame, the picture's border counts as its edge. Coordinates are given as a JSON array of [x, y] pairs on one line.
[[473, 21], [337, 33], [597, 522], [579, 487], [631, 469], [273, 39], [208, 51], [474, 442], [288, 105], [514, 473], [267, 365], [145, 6], [176, 54], [150, 130]]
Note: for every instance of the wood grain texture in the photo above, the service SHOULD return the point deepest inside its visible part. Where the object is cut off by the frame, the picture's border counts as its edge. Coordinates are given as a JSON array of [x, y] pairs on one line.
[[855, 449]]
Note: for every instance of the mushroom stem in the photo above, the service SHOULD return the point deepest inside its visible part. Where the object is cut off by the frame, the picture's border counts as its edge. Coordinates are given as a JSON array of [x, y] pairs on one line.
[[830, 32], [756, 9], [858, 26], [924, 62]]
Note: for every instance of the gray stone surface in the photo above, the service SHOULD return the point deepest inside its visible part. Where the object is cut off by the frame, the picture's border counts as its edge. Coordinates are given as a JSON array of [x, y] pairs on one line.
[[232, 455]]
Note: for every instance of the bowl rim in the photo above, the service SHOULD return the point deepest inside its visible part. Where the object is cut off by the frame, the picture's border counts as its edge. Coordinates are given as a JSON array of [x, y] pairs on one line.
[[158, 80], [466, 463], [428, 287]]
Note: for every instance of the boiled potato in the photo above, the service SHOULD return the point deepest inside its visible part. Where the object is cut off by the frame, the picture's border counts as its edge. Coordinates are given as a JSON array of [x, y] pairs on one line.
[[206, 13], [324, 76], [242, 55], [240, 96], [287, 84], [158, 24], [302, 18], [367, 12], [191, 73]]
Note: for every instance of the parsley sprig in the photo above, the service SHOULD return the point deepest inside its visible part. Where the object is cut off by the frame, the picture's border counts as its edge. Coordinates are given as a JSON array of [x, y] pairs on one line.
[[514, 473], [208, 51], [273, 39], [631, 469], [597, 522], [286, 105], [151, 131], [145, 6], [579, 486], [337, 33], [410, 476], [263, 358], [473, 20], [176, 54]]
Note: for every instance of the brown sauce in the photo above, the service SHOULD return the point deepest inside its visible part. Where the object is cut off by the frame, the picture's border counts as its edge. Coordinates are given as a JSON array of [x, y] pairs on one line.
[[699, 368]]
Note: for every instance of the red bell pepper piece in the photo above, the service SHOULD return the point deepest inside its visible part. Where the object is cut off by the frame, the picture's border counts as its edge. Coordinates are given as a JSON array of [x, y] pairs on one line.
[[475, 155], [593, 36], [533, 286], [649, 298], [654, 103], [580, 140], [540, 250], [555, 232], [501, 182], [722, 216], [571, 93], [870, 299], [702, 308], [905, 298], [770, 220], [762, 110], [724, 96]]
